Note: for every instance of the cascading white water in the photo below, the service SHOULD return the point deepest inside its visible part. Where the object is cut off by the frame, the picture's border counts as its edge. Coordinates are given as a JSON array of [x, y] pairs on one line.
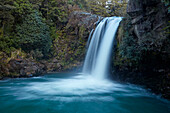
[[96, 65], [99, 51], [89, 39]]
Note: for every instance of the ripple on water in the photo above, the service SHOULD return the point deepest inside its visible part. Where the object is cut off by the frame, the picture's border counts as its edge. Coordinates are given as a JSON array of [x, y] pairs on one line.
[[79, 93]]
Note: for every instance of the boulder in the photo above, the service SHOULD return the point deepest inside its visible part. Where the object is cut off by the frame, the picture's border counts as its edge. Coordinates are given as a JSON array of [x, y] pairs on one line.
[[25, 68], [78, 19], [135, 8], [147, 17], [137, 19]]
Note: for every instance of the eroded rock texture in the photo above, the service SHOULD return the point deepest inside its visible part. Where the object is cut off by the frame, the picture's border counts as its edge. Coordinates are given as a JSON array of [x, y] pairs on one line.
[[144, 45]]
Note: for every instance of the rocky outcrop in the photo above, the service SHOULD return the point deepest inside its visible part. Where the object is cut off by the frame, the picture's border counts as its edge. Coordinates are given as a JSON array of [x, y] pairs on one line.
[[17, 68], [25, 68], [71, 42], [78, 19], [147, 16], [143, 35], [138, 7], [134, 8], [143, 55]]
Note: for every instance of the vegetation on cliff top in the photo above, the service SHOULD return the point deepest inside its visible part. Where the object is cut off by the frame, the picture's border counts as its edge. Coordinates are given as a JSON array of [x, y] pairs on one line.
[[38, 28], [143, 39]]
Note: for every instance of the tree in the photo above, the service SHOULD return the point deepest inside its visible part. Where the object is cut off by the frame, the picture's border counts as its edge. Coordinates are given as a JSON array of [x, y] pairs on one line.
[[6, 17], [98, 7], [34, 34], [118, 7], [107, 7], [55, 11]]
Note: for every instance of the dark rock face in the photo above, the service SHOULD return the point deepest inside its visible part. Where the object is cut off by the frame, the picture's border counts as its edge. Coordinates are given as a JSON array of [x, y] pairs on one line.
[[145, 46], [81, 24], [134, 8], [155, 82], [3, 65], [137, 7], [147, 16], [25, 68], [87, 20], [144, 32]]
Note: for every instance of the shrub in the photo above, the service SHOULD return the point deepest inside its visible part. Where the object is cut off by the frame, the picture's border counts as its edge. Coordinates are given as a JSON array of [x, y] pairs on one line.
[[34, 34], [8, 43]]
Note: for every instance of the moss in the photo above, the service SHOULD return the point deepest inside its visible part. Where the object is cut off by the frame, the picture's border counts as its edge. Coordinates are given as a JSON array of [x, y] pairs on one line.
[[150, 51], [69, 48], [81, 31]]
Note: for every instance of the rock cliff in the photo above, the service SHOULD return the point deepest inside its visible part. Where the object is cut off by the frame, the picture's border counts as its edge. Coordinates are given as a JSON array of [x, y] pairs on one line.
[[69, 49], [143, 55]]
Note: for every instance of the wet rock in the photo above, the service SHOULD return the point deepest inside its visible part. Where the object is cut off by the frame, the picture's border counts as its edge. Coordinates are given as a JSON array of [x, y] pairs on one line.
[[150, 2], [25, 68], [134, 8], [137, 19], [54, 60], [145, 25], [137, 7], [148, 17], [50, 66], [138, 31], [59, 67], [85, 19]]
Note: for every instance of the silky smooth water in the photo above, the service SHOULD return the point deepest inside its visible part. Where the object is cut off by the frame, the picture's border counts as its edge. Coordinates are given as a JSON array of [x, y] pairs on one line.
[[100, 48], [75, 93], [81, 93]]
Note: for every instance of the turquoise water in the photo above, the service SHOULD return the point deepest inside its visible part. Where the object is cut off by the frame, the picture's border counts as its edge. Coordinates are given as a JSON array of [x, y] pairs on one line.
[[76, 93]]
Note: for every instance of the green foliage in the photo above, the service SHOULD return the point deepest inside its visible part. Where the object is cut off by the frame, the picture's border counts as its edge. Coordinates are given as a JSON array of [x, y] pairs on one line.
[[36, 54], [34, 34], [105, 8], [23, 7], [128, 53], [98, 7], [167, 28], [128, 48], [53, 33], [67, 48], [8, 44], [55, 11], [140, 53], [82, 4], [167, 3], [6, 17], [117, 7], [38, 27]]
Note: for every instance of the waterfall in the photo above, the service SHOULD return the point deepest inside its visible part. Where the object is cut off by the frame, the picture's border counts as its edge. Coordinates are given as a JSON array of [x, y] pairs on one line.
[[98, 55], [89, 39]]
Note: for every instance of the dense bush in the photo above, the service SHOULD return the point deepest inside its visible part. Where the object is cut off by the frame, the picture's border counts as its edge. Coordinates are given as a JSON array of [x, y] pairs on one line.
[[107, 8], [34, 34], [8, 43], [150, 51], [129, 51]]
